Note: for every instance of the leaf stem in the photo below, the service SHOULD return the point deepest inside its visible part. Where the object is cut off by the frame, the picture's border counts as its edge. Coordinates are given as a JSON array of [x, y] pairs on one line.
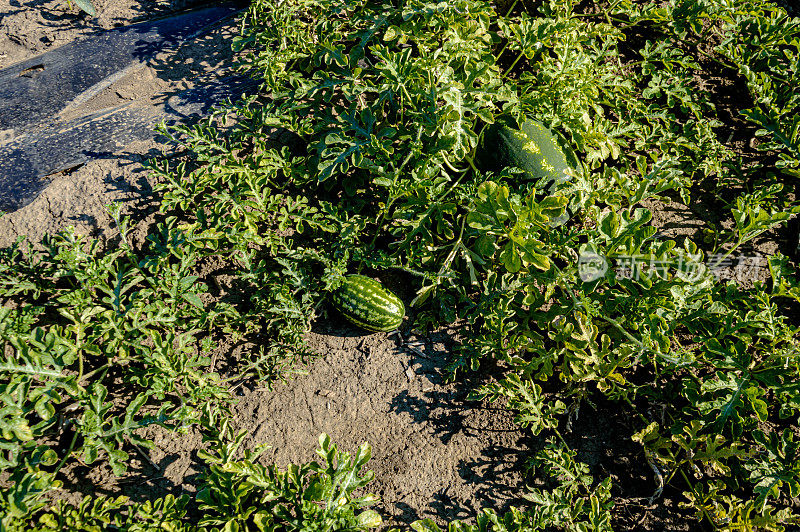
[[510, 68], [66, 455], [508, 41], [104, 367], [697, 497]]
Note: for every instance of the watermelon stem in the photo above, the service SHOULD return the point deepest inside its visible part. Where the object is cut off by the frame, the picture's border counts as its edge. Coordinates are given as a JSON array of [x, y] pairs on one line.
[[456, 246], [409, 270], [392, 197], [450, 166], [503, 49], [471, 162], [510, 68]]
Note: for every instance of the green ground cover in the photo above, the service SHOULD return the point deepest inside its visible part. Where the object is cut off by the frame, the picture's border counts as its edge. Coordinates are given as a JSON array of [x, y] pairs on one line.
[[385, 104]]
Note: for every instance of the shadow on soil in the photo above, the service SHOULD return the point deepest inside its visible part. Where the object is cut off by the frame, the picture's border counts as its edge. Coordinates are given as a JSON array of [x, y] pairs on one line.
[[57, 15], [143, 481]]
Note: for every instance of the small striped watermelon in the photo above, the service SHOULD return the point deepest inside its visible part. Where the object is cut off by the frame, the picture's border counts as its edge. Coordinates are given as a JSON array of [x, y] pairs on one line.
[[365, 302]]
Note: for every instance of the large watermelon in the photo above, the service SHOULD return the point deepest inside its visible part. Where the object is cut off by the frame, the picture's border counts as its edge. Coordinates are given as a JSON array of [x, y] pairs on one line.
[[532, 148]]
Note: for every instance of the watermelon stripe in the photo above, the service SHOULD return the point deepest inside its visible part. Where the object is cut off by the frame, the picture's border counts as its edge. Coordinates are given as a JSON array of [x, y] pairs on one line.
[[533, 149], [366, 303]]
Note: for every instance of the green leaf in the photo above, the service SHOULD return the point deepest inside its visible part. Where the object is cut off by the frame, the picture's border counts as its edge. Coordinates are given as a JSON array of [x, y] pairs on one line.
[[86, 6], [193, 299], [538, 261], [510, 258], [369, 519]]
